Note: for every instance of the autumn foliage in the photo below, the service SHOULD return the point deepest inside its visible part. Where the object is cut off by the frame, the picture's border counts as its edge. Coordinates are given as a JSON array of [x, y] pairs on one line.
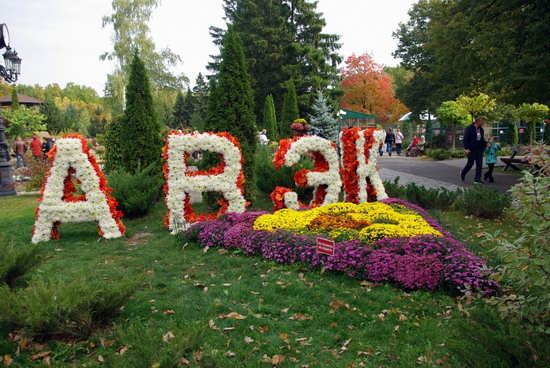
[[367, 88]]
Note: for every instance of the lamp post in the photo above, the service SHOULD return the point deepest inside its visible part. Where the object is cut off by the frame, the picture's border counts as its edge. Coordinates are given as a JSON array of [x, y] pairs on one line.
[[9, 73]]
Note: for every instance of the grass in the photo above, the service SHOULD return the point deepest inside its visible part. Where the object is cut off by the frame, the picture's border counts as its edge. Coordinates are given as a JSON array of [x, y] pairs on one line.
[[308, 318]]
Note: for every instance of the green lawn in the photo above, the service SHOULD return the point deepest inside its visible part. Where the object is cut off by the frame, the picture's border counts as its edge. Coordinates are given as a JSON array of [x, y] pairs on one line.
[[307, 318]]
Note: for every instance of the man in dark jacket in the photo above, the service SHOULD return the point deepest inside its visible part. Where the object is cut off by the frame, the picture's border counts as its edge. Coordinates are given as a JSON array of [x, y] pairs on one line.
[[474, 145]]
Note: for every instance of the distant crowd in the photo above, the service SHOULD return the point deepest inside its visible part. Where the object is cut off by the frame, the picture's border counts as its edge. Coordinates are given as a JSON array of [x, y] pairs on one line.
[[39, 147]]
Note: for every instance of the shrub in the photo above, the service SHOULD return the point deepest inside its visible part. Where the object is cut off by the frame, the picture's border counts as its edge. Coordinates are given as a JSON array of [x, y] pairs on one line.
[[269, 178], [36, 170], [57, 308], [526, 258], [136, 193], [430, 198], [438, 153], [481, 202], [17, 262], [458, 153]]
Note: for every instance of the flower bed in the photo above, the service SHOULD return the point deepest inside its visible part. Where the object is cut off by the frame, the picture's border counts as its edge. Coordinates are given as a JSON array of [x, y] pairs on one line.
[[431, 260]]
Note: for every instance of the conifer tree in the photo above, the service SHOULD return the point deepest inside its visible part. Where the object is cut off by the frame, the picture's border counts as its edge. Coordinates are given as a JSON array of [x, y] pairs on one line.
[[231, 103], [200, 95], [270, 119], [323, 120], [290, 110], [136, 137], [178, 120], [14, 99]]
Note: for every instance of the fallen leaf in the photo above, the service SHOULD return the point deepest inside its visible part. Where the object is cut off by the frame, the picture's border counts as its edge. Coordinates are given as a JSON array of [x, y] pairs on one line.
[[229, 354], [381, 316], [248, 340], [100, 359], [396, 328], [402, 317], [8, 360], [168, 336], [212, 325], [284, 337], [121, 350], [184, 361], [169, 312], [227, 329], [263, 329], [300, 317], [198, 355], [285, 310], [106, 343], [336, 304], [222, 251], [205, 249], [345, 346], [277, 359], [232, 315], [40, 355]]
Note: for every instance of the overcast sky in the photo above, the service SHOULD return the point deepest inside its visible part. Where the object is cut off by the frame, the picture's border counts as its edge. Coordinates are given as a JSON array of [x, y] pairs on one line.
[[60, 40]]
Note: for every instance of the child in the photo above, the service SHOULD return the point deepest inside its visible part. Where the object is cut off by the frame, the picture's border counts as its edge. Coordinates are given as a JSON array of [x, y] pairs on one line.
[[491, 158]]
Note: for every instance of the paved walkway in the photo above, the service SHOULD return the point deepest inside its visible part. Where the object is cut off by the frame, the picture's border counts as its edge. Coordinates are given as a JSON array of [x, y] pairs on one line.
[[439, 174]]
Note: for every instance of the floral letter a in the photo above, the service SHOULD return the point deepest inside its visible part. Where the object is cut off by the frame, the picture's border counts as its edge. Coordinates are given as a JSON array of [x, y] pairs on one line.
[[72, 158]]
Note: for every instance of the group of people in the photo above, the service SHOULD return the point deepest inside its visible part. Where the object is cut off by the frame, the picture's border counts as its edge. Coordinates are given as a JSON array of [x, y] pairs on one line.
[[39, 148], [414, 148], [476, 146]]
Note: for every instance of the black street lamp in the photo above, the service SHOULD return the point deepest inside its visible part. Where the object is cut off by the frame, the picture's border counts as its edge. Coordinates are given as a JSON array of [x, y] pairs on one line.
[[9, 73]]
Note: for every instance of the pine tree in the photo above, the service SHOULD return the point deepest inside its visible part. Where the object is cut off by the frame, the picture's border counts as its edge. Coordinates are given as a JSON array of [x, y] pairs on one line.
[[231, 104], [270, 119], [178, 120], [55, 120], [200, 94], [289, 111], [14, 99], [323, 120], [136, 136]]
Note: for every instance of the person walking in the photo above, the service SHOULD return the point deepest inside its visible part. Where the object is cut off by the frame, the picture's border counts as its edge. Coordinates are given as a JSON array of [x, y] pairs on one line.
[[36, 147], [398, 141], [390, 138], [491, 158], [46, 147], [474, 145], [19, 147]]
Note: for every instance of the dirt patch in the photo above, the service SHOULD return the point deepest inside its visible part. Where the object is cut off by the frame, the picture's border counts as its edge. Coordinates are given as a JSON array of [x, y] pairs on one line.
[[138, 239]]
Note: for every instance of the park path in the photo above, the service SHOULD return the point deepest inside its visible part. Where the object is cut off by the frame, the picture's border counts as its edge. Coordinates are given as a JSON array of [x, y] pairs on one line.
[[439, 174]]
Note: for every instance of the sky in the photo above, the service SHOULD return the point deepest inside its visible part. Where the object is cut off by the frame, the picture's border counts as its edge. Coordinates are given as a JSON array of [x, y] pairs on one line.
[[60, 41]]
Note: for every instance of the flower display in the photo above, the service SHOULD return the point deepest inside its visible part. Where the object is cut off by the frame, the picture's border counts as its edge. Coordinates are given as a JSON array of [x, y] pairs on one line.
[[72, 162], [226, 178], [359, 173], [427, 261], [369, 221], [324, 178]]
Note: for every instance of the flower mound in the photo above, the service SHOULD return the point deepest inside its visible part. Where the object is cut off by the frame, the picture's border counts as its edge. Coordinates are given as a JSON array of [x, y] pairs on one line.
[[429, 261]]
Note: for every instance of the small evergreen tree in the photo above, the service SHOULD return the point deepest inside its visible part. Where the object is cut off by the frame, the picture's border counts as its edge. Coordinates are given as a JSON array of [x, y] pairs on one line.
[[289, 111], [270, 119], [231, 104], [179, 116], [137, 138], [14, 99], [323, 120], [200, 94], [55, 120]]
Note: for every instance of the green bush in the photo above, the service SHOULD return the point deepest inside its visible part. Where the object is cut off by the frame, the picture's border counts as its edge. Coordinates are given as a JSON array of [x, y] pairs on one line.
[[267, 177], [16, 263], [526, 258], [136, 193], [481, 202], [458, 153], [50, 308], [438, 153], [429, 198]]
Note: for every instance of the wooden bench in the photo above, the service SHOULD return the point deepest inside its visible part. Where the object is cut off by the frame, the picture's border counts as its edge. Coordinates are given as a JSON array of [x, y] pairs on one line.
[[510, 161]]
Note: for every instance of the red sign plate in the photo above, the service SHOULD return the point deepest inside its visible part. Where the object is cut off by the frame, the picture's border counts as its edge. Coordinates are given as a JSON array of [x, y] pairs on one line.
[[325, 246]]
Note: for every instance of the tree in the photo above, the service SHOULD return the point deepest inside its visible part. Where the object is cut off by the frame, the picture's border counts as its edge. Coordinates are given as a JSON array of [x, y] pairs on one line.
[[23, 122], [454, 47], [323, 119], [283, 39], [476, 105], [270, 118], [130, 33], [137, 135], [367, 88], [231, 103], [452, 114], [200, 96], [290, 111], [14, 99], [532, 114], [55, 119], [179, 118]]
